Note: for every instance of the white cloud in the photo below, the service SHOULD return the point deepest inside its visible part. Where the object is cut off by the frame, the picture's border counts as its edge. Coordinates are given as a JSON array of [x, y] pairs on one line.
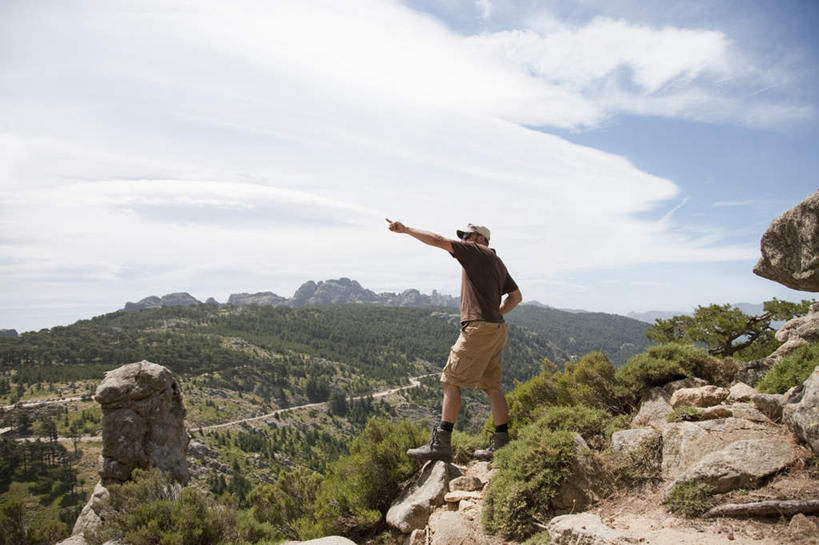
[[153, 147]]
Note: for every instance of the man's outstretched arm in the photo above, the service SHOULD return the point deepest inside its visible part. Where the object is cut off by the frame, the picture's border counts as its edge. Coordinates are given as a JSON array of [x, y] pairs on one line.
[[427, 237]]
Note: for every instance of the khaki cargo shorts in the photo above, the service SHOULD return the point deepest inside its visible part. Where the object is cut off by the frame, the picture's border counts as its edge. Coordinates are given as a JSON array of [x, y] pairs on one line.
[[475, 358]]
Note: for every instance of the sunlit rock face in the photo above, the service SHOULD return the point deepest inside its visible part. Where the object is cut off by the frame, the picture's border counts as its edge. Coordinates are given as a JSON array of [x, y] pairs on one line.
[[790, 247]]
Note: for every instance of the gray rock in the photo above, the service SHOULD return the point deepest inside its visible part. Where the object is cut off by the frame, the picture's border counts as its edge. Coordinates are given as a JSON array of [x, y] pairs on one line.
[[412, 508], [181, 299], [417, 537], [802, 416], [654, 409], [628, 440], [688, 382], [263, 298], [89, 518], [712, 413], [770, 405], [742, 464], [686, 443], [143, 422], [149, 302], [741, 392], [8, 333], [790, 247], [704, 396], [751, 372], [465, 483], [329, 540], [78, 539], [586, 479], [449, 528], [583, 529]]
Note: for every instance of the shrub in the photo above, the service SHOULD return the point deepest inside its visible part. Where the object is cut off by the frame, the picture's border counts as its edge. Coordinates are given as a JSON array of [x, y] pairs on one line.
[[684, 414], [359, 487], [152, 510], [530, 472], [586, 421], [689, 499], [528, 396], [590, 381], [286, 505], [791, 370], [662, 364], [464, 445], [540, 538]]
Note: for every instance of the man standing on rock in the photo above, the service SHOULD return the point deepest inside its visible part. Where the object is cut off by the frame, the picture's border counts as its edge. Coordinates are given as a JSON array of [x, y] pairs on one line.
[[475, 358]]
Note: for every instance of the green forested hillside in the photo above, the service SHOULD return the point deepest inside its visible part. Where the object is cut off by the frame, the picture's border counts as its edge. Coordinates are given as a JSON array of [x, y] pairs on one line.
[[273, 348]]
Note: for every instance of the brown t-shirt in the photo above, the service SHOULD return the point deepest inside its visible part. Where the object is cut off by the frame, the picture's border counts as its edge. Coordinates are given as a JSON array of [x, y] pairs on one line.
[[484, 280]]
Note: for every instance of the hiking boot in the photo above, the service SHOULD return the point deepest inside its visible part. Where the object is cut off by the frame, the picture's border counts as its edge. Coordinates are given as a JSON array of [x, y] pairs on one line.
[[499, 439], [438, 448]]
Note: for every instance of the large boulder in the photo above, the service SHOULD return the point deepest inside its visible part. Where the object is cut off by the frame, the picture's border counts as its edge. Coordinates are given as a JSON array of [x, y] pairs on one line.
[[143, 423], [624, 441], [742, 464], [412, 508], [586, 480], [329, 540], [802, 415], [654, 409], [790, 247], [686, 443], [798, 331]]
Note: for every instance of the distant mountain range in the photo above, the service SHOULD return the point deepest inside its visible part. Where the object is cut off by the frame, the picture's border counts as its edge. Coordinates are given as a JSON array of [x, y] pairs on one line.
[[347, 291], [328, 292]]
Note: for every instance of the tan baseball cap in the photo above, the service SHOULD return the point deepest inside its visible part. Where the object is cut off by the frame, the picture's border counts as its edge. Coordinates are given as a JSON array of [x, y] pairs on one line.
[[471, 228]]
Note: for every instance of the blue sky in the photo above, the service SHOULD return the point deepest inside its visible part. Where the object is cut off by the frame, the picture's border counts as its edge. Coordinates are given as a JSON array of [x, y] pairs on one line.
[[627, 155]]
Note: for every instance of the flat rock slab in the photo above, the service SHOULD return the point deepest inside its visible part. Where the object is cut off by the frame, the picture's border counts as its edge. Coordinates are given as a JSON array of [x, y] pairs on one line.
[[741, 392], [686, 443], [742, 464], [329, 540], [704, 396], [458, 495], [583, 529]]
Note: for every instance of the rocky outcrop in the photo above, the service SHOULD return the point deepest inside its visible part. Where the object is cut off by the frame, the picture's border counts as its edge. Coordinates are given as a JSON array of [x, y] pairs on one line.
[[329, 540], [630, 440], [790, 247], [143, 426], [656, 404], [802, 414], [416, 502], [585, 482], [181, 299], [742, 464], [143, 423], [8, 333], [262, 298], [798, 331]]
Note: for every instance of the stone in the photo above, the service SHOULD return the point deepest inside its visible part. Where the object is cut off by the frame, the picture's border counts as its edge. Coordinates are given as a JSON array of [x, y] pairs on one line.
[[770, 405], [466, 483], [746, 412], [417, 537], [704, 396], [802, 417], [262, 298], [143, 422], [78, 539], [89, 518], [742, 464], [454, 497], [654, 409], [712, 413], [741, 392], [329, 540], [583, 529], [629, 440], [803, 530], [797, 332], [412, 508], [790, 247], [449, 528], [685, 443], [587, 476], [751, 372]]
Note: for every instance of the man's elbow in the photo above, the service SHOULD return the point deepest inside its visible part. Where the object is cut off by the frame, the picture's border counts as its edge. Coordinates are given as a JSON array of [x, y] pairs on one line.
[[516, 296]]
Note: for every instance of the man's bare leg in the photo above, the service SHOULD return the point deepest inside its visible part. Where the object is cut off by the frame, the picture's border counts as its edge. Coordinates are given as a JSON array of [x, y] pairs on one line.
[[497, 403], [452, 403]]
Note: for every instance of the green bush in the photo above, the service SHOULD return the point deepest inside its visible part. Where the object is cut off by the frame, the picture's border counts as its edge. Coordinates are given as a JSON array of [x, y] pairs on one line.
[[590, 381], [360, 487], [540, 538], [586, 421], [464, 445], [529, 396], [286, 505], [791, 370], [530, 472], [152, 510], [684, 414], [689, 499], [662, 364]]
